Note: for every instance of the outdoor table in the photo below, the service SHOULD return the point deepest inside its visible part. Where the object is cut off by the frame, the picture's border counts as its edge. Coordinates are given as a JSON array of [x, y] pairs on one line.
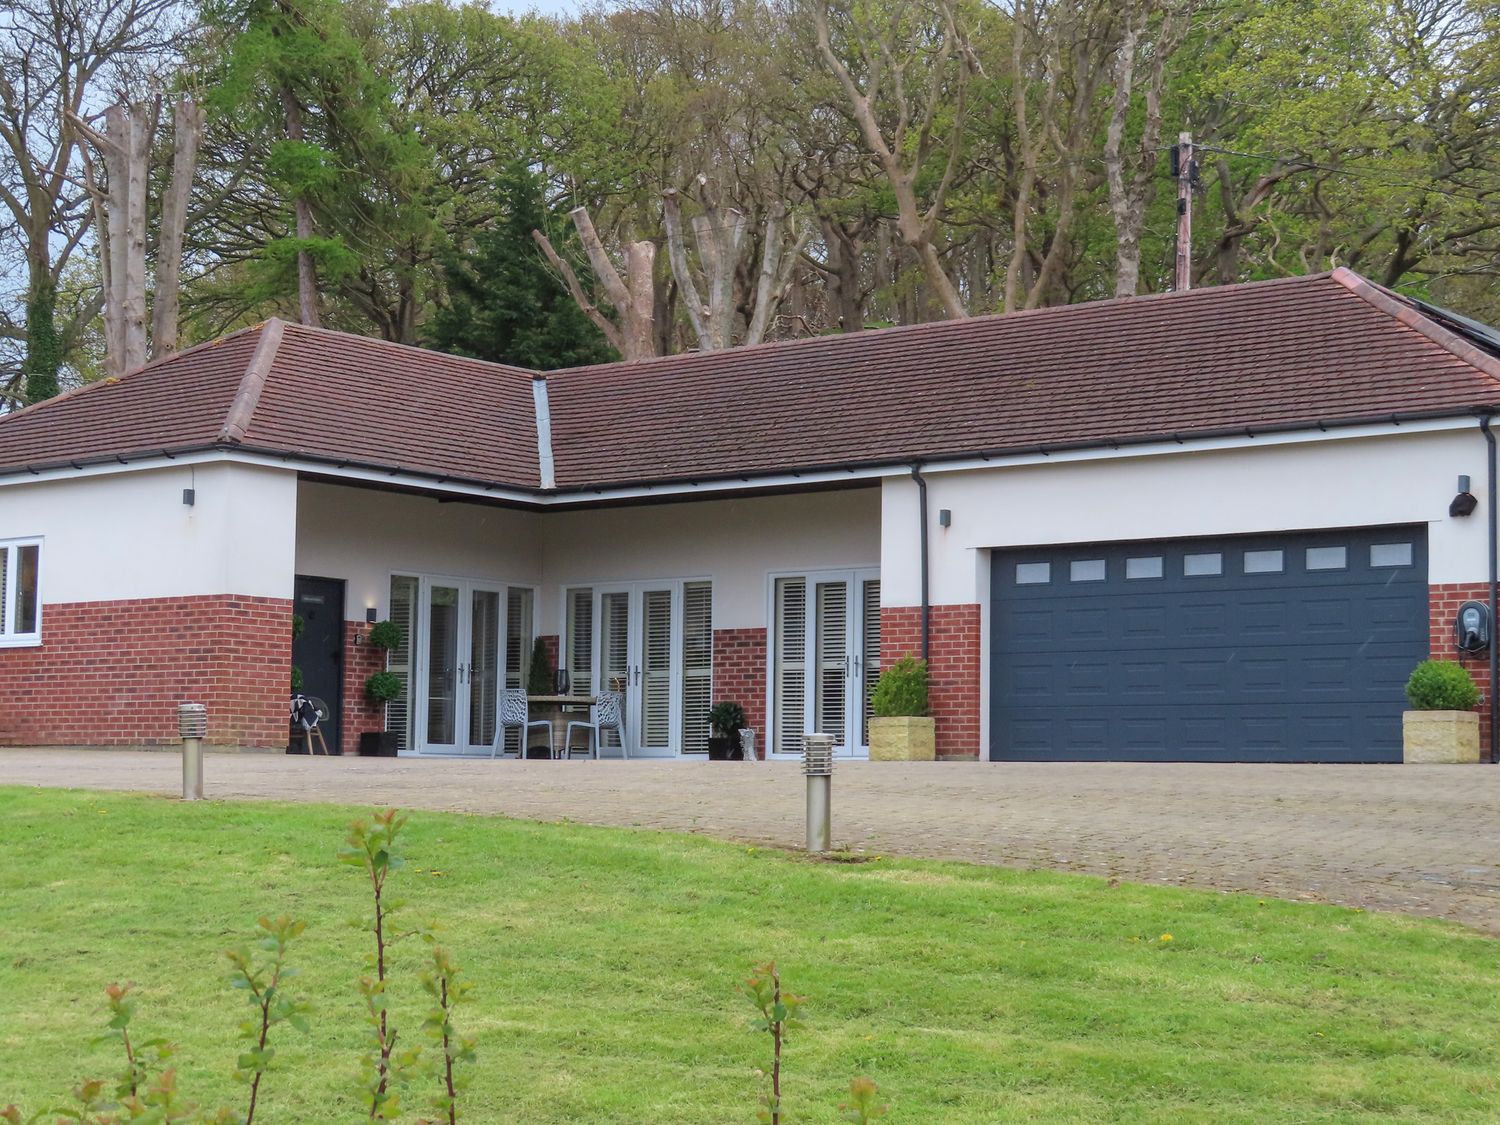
[[559, 710]]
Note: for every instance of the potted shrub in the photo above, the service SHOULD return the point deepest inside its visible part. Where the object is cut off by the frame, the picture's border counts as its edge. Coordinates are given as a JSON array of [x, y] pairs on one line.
[[1442, 725], [540, 678], [901, 730], [724, 723], [380, 689], [385, 635]]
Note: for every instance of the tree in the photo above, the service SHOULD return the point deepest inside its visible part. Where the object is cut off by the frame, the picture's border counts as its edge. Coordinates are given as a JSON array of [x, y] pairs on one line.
[[911, 109], [504, 304], [54, 57]]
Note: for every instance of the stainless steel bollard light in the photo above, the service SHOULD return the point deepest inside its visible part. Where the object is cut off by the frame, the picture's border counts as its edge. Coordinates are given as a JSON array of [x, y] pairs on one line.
[[817, 764], [192, 726]]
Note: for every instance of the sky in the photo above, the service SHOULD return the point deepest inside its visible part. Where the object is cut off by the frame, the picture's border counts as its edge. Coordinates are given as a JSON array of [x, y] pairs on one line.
[[544, 7]]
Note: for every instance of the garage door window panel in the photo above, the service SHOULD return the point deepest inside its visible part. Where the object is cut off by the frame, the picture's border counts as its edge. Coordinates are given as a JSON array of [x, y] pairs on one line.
[[1143, 567], [1033, 573], [1327, 558], [1205, 565], [1264, 562], [1390, 554]]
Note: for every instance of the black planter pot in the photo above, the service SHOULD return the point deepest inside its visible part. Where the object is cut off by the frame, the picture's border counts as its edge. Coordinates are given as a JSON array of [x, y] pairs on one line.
[[725, 748], [377, 744]]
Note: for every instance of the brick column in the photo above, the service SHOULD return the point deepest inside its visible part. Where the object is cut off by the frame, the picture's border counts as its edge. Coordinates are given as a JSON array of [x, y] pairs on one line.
[[112, 673], [1443, 602], [740, 677], [360, 663], [952, 668]]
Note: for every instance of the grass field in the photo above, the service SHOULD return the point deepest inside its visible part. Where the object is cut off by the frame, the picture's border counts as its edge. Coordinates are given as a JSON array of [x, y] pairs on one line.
[[605, 962]]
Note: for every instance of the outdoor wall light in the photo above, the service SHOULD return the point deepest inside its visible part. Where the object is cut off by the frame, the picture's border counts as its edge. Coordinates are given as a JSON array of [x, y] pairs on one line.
[[945, 517], [369, 615], [1465, 502], [189, 496]]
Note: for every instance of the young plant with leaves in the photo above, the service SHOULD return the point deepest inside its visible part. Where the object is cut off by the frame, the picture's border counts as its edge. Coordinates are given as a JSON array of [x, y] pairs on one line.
[[779, 1013], [260, 973], [371, 846]]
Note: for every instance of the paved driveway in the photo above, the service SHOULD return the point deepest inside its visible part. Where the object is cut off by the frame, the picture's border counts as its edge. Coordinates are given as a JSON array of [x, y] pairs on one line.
[[1421, 839]]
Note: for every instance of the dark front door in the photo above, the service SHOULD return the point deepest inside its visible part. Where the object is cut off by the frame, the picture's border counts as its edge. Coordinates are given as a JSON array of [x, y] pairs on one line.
[[1278, 648], [319, 651]]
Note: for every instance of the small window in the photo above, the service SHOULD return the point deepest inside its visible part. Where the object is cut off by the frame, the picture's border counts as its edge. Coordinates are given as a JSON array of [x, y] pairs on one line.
[[20, 606], [1202, 566], [1264, 562], [1033, 574], [1327, 558], [1086, 570], [1147, 567], [1390, 554]]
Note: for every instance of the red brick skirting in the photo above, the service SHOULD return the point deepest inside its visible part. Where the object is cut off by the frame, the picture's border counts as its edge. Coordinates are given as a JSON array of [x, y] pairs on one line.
[[1443, 602], [112, 673], [953, 668], [360, 662], [740, 677]]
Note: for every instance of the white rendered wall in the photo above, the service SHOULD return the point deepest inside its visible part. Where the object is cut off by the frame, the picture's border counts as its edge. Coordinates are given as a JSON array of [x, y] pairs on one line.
[[364, 536], [129, 535], [1401, 478], [737, 543]]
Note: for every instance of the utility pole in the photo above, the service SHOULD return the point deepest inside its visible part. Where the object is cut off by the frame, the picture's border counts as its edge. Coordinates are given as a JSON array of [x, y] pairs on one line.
[[1183, 166]]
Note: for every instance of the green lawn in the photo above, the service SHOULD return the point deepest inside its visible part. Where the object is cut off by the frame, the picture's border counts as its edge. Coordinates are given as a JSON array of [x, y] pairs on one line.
[[605, 962]]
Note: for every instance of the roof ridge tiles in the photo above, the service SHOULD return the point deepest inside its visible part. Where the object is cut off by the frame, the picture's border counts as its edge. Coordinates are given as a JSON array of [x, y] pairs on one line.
[[242, 408], [1418, 321]]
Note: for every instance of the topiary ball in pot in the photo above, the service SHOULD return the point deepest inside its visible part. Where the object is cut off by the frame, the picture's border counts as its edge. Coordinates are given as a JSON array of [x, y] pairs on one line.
[[382, 687], [386, 635], [1441, 685]]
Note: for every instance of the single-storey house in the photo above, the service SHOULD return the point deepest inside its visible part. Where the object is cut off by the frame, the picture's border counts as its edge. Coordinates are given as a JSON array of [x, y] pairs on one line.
[[1212, 525]]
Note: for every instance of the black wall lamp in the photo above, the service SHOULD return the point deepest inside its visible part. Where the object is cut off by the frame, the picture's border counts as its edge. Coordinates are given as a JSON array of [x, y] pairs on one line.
[[1465, 502]]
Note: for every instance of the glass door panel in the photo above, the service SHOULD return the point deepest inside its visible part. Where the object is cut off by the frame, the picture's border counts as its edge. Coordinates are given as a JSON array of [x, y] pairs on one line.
[[482, 680], [655, 736], [520, 627], [789, 666], [825, 659], [443, 623], [831, 658]]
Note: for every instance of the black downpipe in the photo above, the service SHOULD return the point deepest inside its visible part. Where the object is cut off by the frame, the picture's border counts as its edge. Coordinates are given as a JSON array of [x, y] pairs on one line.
[[1494, 529], [916, 475]]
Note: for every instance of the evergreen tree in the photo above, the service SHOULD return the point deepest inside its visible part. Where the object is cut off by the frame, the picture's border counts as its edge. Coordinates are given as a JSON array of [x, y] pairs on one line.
[[504, 303]]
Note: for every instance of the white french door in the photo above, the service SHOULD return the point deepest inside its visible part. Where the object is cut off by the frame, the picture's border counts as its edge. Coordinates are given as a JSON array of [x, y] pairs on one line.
[[653, 643], [462, 643], [825, 658]]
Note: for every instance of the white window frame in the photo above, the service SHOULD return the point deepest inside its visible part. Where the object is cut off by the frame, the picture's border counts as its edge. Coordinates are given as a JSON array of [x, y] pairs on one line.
[[11, 592]]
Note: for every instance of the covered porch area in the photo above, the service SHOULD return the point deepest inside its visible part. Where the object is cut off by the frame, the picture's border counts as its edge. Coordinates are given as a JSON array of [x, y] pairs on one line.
[[770, 601]]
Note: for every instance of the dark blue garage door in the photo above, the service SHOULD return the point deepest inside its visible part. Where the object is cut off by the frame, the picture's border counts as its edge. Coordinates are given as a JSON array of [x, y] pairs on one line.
[[1287, 648]]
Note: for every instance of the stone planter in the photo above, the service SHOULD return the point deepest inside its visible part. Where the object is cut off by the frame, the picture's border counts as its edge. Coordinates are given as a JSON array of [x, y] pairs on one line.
[[1432, 737], [903, 739]]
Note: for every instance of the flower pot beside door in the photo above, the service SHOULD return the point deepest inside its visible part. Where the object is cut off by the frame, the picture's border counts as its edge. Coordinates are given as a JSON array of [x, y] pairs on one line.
[[724, 723], [1442, 727], [901, 730]]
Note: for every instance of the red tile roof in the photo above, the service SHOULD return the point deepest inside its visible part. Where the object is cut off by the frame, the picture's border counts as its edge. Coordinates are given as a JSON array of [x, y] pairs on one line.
[[1284, 353], [1327, 349]]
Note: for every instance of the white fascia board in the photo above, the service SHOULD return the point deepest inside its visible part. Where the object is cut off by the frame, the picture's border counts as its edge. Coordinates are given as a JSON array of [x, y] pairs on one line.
[[585, 496], [1192, 445]]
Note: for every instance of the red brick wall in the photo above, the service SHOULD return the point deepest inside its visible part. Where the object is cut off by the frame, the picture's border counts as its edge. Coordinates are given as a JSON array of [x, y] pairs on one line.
[[740, 677], [1443, 602], [112, 673], [360, 662], [952, 670]]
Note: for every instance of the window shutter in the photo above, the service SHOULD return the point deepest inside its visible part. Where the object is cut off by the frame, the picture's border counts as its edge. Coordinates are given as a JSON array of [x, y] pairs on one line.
[[656, 669], [790, 665], [484, 665], [832, 660], [519, 628], [871, 654], [580, 641], [404, 616], [697, 665]]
